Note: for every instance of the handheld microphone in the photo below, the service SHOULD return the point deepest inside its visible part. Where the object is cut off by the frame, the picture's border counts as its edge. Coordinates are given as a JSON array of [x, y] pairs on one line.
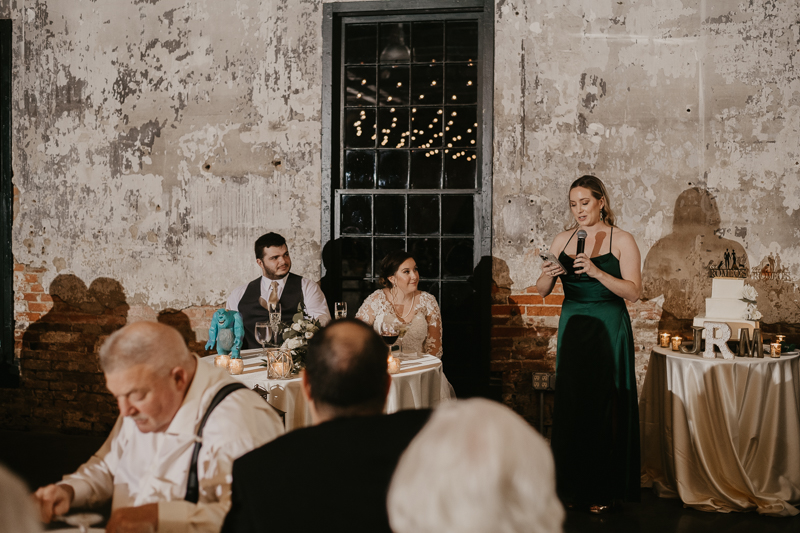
[[581, 245]]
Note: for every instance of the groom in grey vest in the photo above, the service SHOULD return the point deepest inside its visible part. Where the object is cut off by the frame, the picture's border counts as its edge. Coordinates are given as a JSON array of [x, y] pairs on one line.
[[276, 284]]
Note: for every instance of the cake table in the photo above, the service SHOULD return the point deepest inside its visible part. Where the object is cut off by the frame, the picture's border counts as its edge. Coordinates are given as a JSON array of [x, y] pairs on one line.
[[723, 435]]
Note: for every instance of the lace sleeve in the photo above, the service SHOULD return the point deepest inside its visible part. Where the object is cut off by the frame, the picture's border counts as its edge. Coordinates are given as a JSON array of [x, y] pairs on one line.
[[368, 309], [433, 342]]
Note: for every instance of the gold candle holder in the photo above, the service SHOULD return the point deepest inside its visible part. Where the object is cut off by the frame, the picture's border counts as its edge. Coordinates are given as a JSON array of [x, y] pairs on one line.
[[236, 366], [676, 343], [780, 338], [775, 349], [663, 339], [221, 361], [280, 364]]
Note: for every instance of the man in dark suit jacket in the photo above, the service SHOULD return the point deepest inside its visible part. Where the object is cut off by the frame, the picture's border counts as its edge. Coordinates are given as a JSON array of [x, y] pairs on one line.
[[334, 475]]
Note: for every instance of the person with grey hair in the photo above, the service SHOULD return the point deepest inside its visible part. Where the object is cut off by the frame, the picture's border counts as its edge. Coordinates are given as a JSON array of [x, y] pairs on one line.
[[166, 397], [17, 512], [476, 467]]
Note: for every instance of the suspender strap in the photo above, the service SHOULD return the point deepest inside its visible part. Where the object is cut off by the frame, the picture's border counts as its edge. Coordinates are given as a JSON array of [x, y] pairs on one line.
[[193, 484]]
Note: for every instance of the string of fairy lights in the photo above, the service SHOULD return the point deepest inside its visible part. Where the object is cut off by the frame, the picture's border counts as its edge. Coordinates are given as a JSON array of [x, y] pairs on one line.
[[416, 132]]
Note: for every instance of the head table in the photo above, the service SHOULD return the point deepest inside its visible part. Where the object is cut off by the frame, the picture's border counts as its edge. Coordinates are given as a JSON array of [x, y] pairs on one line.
[[420, 384], [723, 435]]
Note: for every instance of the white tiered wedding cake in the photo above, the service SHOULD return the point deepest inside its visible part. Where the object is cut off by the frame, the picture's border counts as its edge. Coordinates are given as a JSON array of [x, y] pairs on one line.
[[726, 305]]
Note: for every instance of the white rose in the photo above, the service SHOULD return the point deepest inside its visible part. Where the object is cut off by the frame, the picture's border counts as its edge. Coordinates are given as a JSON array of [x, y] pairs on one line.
[[297, 327], [756, 315], [295, 343], [749, 293], [309, 334]]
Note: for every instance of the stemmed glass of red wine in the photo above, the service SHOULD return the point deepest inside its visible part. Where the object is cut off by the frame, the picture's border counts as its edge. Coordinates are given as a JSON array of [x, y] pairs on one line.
[[389, 334]]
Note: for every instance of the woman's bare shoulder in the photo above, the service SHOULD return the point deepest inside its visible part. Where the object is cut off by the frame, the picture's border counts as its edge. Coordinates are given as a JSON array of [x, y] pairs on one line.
[[624, 236], [560, 240], [624, 241]]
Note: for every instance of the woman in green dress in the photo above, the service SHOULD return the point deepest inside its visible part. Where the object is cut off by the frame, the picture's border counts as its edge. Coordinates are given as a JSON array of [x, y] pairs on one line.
[[596, 418]]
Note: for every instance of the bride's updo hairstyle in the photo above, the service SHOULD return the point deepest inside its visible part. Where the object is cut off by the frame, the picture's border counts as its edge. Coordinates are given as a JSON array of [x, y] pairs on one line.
[[390, 264], [598, 190]]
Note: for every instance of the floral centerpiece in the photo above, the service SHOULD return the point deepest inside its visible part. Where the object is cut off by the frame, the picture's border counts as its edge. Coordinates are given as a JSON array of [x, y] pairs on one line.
[[297, 334], [749, 295]]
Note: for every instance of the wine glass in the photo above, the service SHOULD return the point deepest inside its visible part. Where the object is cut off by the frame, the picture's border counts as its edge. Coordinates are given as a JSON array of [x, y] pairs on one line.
[[83, 520], [340, 310], [262, 335], [389, 334], [274, 320]]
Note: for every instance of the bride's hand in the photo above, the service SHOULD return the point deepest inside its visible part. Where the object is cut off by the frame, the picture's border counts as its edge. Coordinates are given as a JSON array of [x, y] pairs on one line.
[[584, 265]]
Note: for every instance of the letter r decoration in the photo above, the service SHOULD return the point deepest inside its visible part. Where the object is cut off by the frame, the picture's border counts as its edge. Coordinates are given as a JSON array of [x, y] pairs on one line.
[[712, 340]]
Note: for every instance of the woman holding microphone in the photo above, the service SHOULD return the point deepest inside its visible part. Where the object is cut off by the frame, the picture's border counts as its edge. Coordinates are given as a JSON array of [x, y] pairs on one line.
[[596, 418]]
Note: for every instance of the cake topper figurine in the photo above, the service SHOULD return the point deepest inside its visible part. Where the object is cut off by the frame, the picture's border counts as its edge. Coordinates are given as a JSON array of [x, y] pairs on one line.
[[728, 267]]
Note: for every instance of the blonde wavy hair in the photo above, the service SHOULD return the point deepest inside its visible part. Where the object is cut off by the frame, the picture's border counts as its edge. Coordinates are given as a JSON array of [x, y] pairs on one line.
[[598, 190]]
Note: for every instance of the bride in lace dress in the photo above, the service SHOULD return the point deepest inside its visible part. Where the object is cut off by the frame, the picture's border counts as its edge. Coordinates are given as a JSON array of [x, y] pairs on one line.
[[400, 301]]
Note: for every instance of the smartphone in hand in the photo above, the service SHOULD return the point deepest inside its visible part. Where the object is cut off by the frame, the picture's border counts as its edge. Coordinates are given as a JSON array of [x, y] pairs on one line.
[[548, 256]]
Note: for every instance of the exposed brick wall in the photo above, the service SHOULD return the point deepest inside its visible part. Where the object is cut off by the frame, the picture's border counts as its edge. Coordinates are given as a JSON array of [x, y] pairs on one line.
[[57, 336], [524, 333]]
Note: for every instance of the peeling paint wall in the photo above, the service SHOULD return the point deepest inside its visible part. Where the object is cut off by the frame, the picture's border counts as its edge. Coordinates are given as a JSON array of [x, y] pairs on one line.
[[155, 140], [655, 98]]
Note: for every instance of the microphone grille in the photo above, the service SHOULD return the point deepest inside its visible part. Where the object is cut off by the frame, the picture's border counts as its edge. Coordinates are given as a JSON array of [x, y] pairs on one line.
[[581, 234]]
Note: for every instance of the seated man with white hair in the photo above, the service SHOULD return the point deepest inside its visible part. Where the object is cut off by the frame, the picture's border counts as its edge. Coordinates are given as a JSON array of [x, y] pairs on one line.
[[164, 393], [476, 467]]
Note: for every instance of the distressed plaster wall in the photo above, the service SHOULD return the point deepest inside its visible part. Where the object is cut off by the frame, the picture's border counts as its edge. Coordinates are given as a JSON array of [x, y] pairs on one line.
[[690, 113], [153, 141], [156, 140]]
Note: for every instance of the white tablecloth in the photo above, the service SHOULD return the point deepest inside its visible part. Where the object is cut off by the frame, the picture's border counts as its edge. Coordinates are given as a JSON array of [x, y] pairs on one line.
[[723, 435], [419, 384]]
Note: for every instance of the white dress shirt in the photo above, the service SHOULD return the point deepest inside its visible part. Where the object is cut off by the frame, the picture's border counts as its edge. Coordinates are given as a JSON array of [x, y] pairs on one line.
[[315, 302], [134, 468]]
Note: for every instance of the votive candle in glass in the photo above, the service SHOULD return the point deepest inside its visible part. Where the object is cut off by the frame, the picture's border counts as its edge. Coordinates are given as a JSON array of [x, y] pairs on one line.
[[394, 365], [236, 366], [775, 349], [676, 343], [664, 339], [222, 361]]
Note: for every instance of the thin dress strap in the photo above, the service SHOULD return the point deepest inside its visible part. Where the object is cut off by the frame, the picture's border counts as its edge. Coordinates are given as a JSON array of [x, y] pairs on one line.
[[611, 239], [570, 238]]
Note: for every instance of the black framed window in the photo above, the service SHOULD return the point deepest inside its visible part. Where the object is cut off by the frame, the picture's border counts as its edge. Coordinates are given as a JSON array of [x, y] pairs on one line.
[[8, 370], [408, 158]]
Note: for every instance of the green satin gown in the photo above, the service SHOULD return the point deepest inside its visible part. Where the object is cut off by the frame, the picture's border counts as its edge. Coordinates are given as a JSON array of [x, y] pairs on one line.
[[595, 437]]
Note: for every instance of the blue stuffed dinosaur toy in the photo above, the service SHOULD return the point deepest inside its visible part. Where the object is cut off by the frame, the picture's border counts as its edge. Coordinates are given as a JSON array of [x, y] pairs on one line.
[[227, 331]]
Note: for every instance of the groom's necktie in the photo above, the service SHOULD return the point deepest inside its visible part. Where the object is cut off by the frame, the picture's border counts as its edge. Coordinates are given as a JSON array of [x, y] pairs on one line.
[[273, 296]]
